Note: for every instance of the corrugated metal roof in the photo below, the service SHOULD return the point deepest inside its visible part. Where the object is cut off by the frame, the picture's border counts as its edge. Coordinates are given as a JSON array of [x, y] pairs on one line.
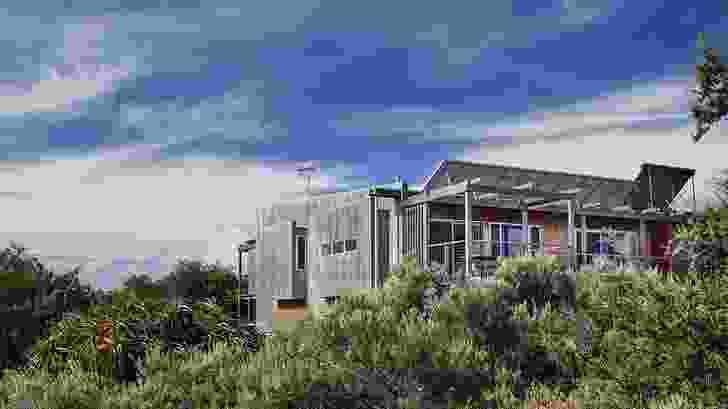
[[597, 191]]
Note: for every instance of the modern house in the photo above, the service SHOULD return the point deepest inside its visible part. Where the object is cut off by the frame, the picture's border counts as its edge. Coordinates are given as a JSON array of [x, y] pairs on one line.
[[464, 216]]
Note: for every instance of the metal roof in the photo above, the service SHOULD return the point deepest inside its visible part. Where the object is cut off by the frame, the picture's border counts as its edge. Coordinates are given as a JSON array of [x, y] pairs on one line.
[[658, 185], [593, 192]]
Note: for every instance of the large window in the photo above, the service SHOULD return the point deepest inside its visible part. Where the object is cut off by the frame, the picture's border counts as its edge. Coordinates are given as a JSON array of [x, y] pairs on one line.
[[440, 232]]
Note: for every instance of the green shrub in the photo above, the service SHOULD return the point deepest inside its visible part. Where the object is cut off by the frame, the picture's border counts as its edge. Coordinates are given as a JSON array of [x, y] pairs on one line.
[[508, 268], [639, 325]]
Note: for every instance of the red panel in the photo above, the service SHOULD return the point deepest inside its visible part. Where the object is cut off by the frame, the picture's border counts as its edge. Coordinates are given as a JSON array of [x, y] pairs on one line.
[[487, 214], [536, 217], [660, 245]]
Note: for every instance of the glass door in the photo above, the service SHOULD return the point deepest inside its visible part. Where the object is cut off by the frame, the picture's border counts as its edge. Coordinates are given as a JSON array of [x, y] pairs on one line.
[[512, 239], [536, 236]]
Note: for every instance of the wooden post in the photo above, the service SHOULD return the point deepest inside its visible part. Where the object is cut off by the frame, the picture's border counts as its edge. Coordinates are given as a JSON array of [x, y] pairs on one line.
[[570, 233], [468, 232], [644, 249], [584, 241], [373, 239], [425, 234], [104, 343], [526, 238]]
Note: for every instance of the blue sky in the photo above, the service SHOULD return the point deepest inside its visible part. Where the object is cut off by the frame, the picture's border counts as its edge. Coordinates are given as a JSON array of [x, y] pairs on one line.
[[149, 133]]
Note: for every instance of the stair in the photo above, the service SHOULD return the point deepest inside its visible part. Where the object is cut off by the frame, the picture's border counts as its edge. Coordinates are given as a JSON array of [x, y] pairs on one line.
[[459, 256]]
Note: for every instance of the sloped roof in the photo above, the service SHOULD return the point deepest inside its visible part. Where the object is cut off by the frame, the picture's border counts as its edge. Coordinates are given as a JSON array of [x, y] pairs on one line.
[[595, 192], [658, 185]]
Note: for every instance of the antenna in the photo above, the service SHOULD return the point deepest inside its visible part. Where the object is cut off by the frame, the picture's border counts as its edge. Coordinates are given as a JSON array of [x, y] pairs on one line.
[[306, 170]]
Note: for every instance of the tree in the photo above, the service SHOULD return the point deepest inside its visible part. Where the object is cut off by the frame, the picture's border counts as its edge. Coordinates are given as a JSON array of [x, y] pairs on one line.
[[720, 188], [711, 104], [144, 286]]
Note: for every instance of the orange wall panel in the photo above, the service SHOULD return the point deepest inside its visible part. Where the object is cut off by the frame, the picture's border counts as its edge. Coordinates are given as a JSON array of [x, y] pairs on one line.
[[551, 239], [288, 312]]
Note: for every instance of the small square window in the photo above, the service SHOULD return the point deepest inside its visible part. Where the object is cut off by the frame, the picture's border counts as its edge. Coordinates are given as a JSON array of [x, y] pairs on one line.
[[338, 247], [350, 245]]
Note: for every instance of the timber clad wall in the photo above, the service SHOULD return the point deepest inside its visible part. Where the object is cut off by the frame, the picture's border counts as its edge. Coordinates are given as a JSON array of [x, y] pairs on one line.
[[346, 221], [275, 258]]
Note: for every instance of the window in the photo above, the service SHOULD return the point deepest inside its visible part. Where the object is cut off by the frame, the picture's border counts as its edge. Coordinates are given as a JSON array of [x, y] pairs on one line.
[[338, 247], [331, 300], [440, 232], [350, 245], [300, 252], [325, 249], [459, 231]]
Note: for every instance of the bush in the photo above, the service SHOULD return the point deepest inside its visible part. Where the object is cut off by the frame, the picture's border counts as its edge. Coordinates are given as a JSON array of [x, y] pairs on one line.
[[478, 345]]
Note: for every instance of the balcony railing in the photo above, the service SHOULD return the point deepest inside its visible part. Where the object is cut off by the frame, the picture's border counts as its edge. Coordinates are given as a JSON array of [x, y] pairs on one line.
[[485, 252]]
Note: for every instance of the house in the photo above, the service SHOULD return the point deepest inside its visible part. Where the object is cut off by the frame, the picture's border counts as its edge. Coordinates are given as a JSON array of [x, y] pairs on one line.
[[307, 252]]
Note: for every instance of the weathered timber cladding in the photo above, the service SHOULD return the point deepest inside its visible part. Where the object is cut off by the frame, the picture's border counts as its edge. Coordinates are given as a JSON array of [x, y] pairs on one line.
[[339, 221], [414, 232], [275, 258]]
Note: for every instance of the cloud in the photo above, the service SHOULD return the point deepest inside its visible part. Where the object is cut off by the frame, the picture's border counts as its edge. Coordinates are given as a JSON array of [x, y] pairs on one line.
[[79, 77], [658, 104], [140, 208]]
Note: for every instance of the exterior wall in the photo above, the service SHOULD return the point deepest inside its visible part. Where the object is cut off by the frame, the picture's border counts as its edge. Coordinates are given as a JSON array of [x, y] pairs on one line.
[[660, 245], [275, 261], [344, 219], [390, 205], [284, 312], [553, 236]]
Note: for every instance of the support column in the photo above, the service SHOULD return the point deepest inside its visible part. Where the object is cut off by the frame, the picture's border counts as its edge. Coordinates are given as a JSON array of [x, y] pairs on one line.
[[373, 240], [426, 233], [468, 232], [584, 240], [644, 248], [399, 221], [526, 237], [570, 239]]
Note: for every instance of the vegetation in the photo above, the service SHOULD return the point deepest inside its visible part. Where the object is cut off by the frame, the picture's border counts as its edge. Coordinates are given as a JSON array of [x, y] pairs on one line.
[[641, 346], [711, 102]]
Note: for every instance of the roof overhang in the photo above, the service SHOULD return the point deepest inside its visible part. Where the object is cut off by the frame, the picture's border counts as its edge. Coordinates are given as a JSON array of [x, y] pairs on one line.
[[528, 197], [533, 199]]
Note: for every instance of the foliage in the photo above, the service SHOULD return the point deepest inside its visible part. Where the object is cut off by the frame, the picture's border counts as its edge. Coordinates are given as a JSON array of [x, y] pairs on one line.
[[510, 269], [710, 235], [638, 328], [711, 104]]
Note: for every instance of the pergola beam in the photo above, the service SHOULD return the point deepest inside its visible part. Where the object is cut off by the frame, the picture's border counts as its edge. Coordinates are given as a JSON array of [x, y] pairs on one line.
[[547, 203], [483, 190]]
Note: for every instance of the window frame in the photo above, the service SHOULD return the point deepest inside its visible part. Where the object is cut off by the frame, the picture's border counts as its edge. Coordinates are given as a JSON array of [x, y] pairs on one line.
[[334, 243], [346, 245], [299, 254]]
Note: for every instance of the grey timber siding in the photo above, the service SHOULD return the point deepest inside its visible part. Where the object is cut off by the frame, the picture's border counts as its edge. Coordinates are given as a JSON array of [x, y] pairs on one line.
[[340, 221], [250, 268], [414, 234], [334, 218], [276, 258]]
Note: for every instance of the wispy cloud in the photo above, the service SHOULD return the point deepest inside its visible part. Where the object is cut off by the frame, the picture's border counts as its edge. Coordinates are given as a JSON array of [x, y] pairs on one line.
[[78, 78]]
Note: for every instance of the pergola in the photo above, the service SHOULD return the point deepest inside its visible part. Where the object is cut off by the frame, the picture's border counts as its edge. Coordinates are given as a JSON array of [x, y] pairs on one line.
[[528, 197]]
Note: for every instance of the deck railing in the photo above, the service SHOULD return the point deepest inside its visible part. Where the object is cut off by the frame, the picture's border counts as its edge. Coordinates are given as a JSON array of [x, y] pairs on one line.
[[485, 252]]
